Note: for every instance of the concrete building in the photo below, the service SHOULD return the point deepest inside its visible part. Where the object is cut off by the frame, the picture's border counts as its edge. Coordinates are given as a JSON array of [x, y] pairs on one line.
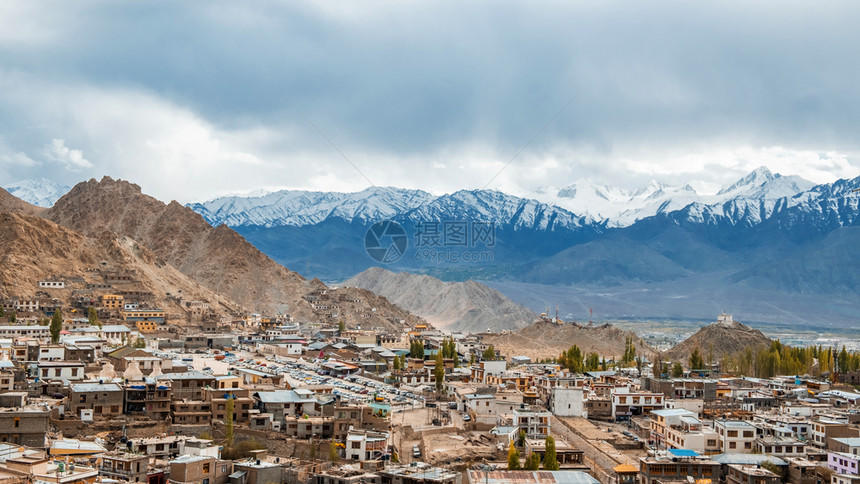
[[199, 469], [735, 436], [103, 399], [24, 425], [567, 402], [365, 445], [123, 466], [535, 423]]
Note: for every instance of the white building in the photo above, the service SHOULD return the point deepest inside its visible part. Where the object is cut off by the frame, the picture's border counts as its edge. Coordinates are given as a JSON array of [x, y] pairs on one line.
[[534, 423], [61, 370], [52, 285], [365, 445], [567, 402], [736, 436]]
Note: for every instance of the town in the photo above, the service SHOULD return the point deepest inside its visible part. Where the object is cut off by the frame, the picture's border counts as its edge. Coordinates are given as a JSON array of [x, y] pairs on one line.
[[106, 391]]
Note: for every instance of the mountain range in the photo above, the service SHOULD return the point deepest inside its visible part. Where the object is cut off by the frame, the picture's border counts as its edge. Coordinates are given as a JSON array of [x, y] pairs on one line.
[[767, 247], [171, 254], [764, 244]]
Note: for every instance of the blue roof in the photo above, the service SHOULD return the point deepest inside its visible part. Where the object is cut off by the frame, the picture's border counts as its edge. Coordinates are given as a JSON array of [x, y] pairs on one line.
[[683, 453]]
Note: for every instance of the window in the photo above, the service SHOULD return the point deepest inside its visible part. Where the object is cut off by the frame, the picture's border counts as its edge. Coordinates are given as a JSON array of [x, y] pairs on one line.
[[732, 445], [206, 468]]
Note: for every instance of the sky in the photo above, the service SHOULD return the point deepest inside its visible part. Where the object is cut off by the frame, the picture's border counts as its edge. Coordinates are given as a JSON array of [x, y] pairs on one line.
[[196, 99]]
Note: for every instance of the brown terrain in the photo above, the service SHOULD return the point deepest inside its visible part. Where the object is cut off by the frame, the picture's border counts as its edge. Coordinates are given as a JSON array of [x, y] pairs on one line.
[[152, 239], [34, 249], [454, 306], [546, 339], [718, 339]]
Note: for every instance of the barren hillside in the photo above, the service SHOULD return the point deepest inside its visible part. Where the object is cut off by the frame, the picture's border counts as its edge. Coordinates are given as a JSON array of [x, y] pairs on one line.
[[721, 338], [216, 257], [11, 203], [455, 306], [34, 249], [546, 339]]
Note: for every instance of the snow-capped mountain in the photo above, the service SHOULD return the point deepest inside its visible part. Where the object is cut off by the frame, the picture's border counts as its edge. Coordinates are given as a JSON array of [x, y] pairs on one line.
[[750, 200], [38, 191], [299, 208], [621, 208]]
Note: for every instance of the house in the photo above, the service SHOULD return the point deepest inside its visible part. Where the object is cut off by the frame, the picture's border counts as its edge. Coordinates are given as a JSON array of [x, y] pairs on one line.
[[101, 399], [148, 397], [843, 462], [626, 404], [567, 401], [661, 420], [366, 445], [535, 423], [677, 467], [24, 425], [288, 403], [61, 370], [191, 412], [735, 436], [189, 385], [124, 466], [745, 474], [199, 469]]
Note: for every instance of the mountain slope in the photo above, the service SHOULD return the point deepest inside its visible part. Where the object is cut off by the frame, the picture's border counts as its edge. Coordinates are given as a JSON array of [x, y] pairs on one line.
[[546, 339], [11, 203], [724, 337], [454, 306], [34, 249], [218, 258]]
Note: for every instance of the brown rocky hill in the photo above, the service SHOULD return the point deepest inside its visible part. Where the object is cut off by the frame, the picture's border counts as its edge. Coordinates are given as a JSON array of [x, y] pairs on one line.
[[34, 249], [718, 339], [216, 257], [11, 203], [454, 306], [546, 339]]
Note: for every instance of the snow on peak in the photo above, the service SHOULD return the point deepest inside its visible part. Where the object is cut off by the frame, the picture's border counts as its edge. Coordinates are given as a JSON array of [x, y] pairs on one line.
[[38, 191]]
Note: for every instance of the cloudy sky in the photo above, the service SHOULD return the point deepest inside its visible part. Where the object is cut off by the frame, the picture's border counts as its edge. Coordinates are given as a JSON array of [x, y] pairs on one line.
[[196, 99]]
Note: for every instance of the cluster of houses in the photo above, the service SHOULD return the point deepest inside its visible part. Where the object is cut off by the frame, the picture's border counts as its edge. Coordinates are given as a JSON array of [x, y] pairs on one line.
[[115, 403]]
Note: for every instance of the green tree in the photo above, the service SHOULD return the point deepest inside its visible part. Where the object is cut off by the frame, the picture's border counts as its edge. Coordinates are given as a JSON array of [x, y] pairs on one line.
[[13, 316], [489, 354], [333, 454], [677, 370], [341, 327], [657, 367], [93, 316], [696, 360], [439, 371], [471, 359], [592, 362], [2, 312], [313, 452], [56, 326], [629, 351], [550, 462], [513, 458], [521, 438], [532, 462], [397, 364], [140, 343], [228, 421]]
